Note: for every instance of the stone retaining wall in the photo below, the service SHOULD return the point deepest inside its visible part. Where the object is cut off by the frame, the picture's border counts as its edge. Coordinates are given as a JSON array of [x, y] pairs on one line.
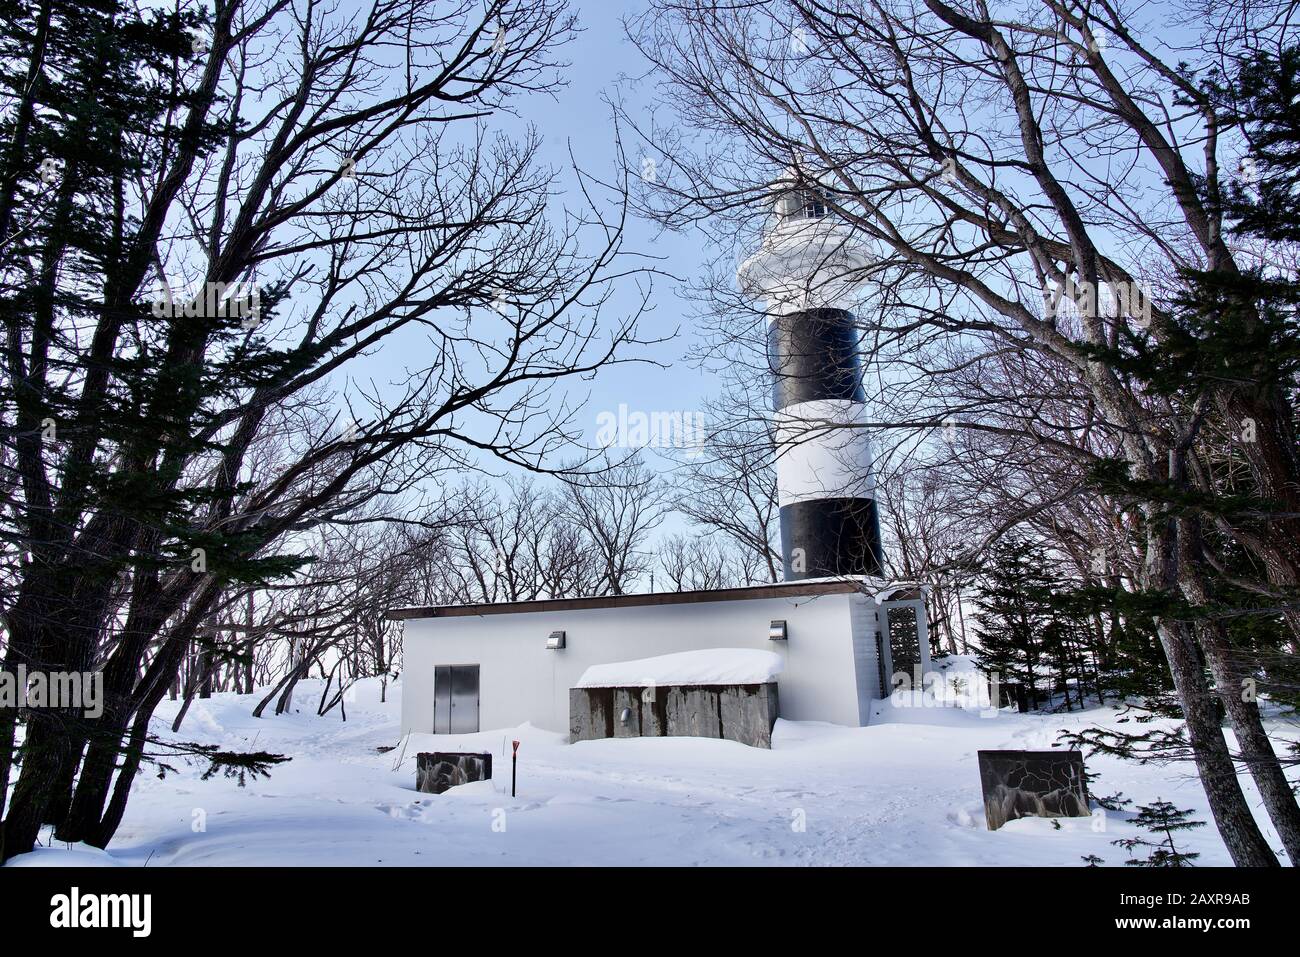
[[744, 713]]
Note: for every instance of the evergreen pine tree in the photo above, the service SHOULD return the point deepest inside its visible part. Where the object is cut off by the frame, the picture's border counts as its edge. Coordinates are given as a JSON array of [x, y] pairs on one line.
[[1011, 616], [1233, 349], [1164, 819]]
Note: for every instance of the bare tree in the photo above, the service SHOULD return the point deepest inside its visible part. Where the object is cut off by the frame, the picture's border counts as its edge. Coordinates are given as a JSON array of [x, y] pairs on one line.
[[990, 162], [338, 170], [617, 508], [727, 484], [702, 562], [517, 541], [333, 617]]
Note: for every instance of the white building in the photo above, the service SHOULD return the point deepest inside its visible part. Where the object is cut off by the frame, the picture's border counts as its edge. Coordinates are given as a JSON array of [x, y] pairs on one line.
[[479, 667]]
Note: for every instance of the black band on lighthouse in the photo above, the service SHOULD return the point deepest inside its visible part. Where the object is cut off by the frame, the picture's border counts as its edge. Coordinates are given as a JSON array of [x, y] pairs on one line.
[[817, 378], [814, 355], [831, 536]]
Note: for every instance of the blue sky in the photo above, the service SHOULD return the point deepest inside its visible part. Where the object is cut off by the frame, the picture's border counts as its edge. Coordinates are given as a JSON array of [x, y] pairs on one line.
[[578, 119], [601, 57]]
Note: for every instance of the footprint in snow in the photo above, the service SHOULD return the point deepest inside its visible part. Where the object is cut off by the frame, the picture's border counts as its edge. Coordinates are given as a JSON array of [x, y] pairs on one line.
[[962, 818], [401, 812]]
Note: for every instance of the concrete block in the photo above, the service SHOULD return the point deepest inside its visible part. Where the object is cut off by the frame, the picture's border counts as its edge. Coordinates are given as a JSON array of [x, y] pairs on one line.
[[654, 712], [692, 711], [629, 700], [744, 713], [591, 713], [1032, 784], [748, 713], [437, 771]]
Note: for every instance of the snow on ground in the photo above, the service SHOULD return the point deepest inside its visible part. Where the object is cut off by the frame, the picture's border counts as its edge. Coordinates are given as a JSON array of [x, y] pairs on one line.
[[707, 666], [904, 790]]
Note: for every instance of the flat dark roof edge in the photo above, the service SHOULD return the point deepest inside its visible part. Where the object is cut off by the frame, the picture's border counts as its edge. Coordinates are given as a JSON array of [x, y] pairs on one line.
[[779, 590]]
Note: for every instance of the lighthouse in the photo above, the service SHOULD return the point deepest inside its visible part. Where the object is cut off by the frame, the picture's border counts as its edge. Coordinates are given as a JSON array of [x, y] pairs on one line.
[[804, 275], [843, 633]]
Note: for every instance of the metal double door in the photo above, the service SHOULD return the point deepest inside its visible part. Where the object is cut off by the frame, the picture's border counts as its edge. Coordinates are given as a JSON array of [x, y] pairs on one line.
[[455, 699]]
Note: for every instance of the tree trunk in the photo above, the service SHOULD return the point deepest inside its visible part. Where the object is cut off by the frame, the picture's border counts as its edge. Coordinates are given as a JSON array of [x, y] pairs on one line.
[[103, 832], [1241, 709], [206, 661], [1218, 775], [1256, 748], [8, 734], [44, 754], [154, 687]]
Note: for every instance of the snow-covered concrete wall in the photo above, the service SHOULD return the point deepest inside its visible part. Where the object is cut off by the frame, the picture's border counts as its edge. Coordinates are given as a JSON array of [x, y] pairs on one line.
[[520, 680]]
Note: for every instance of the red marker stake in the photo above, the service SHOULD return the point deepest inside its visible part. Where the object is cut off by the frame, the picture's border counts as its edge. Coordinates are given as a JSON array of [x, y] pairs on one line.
[[514, 767]]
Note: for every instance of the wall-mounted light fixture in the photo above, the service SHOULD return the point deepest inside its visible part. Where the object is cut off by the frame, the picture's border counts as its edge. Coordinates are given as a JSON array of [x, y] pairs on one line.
[[625, 717], [555, 642], [776, 630]]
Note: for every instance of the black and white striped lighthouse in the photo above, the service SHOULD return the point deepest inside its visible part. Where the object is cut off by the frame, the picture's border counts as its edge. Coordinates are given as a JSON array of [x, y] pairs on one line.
[[804, 274]]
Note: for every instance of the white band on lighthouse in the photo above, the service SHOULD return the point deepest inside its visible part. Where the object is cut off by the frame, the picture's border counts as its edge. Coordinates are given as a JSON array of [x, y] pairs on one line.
[[823, 451], [803, 266]]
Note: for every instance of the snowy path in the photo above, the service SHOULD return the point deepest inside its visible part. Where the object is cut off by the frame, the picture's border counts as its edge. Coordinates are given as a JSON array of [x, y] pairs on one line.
[[903, 791]]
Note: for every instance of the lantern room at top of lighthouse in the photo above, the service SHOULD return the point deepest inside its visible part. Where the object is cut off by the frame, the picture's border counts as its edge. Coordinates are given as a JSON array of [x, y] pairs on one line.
[[809, 257], [806, 203]]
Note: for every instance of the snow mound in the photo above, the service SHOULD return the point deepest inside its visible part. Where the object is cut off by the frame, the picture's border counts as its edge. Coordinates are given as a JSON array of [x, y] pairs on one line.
[[708, 666], [957, 664], [67, 855]]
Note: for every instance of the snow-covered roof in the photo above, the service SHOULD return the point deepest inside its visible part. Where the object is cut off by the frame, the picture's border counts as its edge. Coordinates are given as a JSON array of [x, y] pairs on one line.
[[893, 591], [801, 588], [708, 666]]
